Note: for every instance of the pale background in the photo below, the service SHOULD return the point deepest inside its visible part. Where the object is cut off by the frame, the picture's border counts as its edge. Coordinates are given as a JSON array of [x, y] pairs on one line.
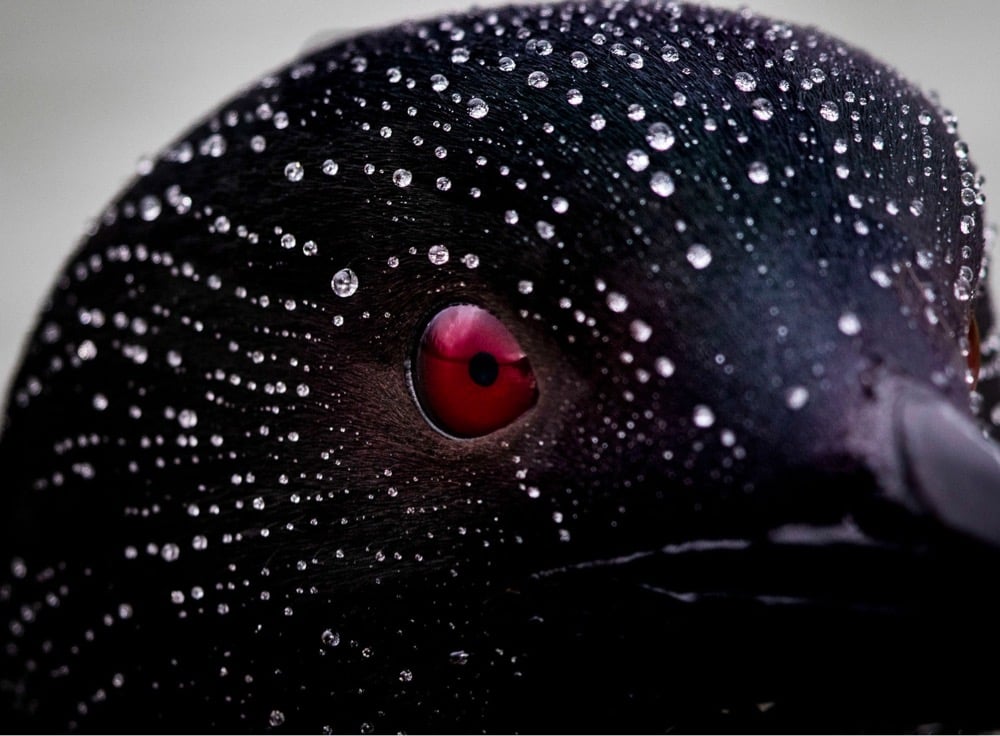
[[86, 88]]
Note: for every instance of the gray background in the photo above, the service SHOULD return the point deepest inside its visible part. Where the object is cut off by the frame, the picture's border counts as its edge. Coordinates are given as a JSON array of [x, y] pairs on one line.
[[87, 88]]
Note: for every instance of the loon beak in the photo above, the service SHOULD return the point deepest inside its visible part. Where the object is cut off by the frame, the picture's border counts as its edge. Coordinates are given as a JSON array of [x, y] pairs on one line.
[[951, 469]]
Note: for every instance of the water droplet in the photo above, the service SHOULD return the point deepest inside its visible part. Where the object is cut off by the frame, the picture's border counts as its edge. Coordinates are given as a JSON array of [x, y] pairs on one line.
[[294, 171], [963, 288], [510, 217], [459, 55], [640, 331], [574, 96], [258, 144], [330, 167], [699, 256], [762, 109], [758, 172], [703, 416], [925, 259], [477, 108], [560, 205], [525, 287], [443, 183], [507, 64], [538, 80], [276, 718], [664, 367], [545, 229], [661, 183], [829, 111], [634, 61], [637, 160], [636, 112], [170, 552], [402, 178], [617, 302], [881, 276], [597, 121], [87, 350], [344, 282], [330, 638], [849, 324], [669, 53], [149, 208], [796, 397], [660, 137], [968, 224], [310, 248], [745, 82], [405, 676], [439, 82], [471, 260], [438, 254], [578, 59], [187, 418]]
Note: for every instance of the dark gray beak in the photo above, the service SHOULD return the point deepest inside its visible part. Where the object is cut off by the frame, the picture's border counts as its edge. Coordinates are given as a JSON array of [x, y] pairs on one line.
[[951, 469]]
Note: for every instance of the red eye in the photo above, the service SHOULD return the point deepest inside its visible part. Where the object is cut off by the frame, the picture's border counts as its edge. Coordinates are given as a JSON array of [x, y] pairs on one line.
[[471, 376]]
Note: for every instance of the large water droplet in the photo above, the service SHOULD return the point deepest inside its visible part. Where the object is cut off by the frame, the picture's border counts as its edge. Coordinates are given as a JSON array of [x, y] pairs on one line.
[[745, 82], [538, 80], [849, 324], [758, 172], [660, 136], [149, 208], [796, 397], [477, 108], [699, 256], [762, 109], [617, 302], [439, 82], [640, 331], [402, 178], [344, 282], [703, 416], [637, 160], [294, 171], [437, 254], [661, 183], [829, 111]]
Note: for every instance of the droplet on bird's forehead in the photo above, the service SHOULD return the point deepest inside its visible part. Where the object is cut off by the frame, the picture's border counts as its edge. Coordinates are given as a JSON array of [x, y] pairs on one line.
[[477, 108], [699, 256], [344, 282], [745, 82]]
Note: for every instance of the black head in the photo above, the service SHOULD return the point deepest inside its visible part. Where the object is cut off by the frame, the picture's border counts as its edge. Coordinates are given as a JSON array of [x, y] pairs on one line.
[[731, 265]]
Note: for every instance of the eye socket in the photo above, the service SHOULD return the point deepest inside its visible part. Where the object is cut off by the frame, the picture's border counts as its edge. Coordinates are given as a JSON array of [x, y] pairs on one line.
[[471, 376], [974, 357]]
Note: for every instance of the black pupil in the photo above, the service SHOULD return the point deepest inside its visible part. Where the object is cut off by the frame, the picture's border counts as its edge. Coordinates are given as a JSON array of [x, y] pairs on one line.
[[484, 369]]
